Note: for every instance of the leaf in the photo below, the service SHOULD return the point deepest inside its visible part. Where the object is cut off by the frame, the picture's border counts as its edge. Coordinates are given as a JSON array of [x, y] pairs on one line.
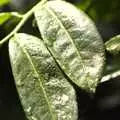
[[3, 2], [113, 45], [73, 41], [44, 92], [4, 17]]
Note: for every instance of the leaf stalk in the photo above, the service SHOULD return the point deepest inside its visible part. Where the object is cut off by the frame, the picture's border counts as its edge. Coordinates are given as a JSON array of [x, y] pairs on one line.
[[22, 22]]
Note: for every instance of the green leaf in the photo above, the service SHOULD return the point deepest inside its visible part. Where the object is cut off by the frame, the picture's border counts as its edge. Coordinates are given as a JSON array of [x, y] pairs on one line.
[[3, 2], [44, 92], [73, 41], [113, 45], [4, 17]]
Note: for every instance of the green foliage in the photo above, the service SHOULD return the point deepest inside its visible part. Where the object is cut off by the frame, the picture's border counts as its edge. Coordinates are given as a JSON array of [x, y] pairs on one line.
[[75, 47], [113, 62], [113, 45], [71, 51], [3, 2], [43, 89], [67, 52], [4, 17]]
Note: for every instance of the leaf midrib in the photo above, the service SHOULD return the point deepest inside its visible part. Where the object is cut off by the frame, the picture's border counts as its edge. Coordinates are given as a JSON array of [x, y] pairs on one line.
[[67, 33], [35, 71]]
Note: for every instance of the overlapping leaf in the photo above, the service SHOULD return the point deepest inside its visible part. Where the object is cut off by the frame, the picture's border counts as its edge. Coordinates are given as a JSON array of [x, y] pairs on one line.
[[44, 92], [73, 41]]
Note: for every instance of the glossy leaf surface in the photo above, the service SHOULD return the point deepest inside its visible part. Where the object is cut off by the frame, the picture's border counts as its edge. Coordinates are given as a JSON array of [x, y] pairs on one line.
[[73, 41], [113, 45], [44, 92]]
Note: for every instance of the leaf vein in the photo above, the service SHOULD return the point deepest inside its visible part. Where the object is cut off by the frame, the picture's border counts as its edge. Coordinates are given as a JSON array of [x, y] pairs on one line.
[[35, 71], [67, 33]]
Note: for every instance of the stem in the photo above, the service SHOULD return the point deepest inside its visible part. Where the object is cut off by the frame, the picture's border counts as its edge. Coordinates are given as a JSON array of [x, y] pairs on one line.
[[111, 76], [16, 14], [22, 22]]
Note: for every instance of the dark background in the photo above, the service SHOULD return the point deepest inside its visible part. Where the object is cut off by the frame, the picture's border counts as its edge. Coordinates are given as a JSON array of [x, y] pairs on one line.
[[105, 103]]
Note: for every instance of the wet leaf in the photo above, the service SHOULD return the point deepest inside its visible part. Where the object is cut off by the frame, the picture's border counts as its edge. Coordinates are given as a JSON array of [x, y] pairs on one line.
[[44, 92], [73, 41], [113, 45]]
